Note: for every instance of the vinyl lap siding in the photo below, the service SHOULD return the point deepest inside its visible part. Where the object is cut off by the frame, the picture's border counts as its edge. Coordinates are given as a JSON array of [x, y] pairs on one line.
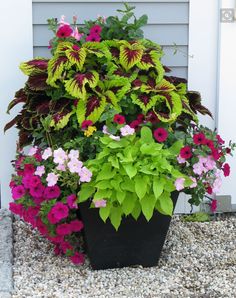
[[167, 24]]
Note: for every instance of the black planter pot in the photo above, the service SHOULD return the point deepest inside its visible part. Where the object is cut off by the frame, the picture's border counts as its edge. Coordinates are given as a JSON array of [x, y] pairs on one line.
[[135, 243]]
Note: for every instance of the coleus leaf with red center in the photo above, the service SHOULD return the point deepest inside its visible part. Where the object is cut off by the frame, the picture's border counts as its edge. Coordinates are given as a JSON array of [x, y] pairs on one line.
[[144, 101], [20, 97], [130, 54], [99, 49], [168, 107], [76, 56], [120, 86], [151, 59], [152, 86], [56, 66], [187, 109], [91, 109], [35, 66], [76, 86]]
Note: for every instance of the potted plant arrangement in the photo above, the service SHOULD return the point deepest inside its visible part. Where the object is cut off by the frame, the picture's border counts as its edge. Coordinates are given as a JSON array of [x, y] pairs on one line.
[[113, 140]]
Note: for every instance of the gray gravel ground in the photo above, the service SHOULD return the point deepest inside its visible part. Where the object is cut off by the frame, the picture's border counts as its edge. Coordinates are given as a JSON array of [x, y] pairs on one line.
[[198, 260]]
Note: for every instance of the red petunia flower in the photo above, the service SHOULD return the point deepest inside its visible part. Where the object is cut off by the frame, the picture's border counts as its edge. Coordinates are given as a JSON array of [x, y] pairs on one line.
[[209, 143], [215, 154], [64, 31], [209, 190], [140, 117], [86, 123], [220, 141], [135, 124], [119, 119], [199, 139], [226, 169], [228, 150], [213, 205], [160, 134], [186, 152]]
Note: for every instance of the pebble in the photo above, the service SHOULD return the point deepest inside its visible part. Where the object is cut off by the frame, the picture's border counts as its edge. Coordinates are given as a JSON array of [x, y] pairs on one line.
[[198, 260]]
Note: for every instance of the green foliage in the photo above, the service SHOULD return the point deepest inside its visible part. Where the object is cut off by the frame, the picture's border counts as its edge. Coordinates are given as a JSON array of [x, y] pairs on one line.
[[133, 175], [197, 217]]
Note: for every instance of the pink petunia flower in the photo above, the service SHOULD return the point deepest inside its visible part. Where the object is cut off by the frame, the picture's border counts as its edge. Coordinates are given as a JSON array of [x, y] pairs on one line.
[[85, 175], [75, 166], [71, 201], [60, 156], [52, 179], [61, 167], [181, 160], [40, 170], [52, 192], [47, 153], [115, 138], [18, 192], [217, 185], [179, 183], [127, 131], [32, 151], [100, 203], [73, 154], [76, 34], [194, 184], [77, 258]]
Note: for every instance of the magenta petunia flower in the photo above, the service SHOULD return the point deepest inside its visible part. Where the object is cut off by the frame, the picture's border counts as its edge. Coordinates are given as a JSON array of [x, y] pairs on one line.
[[65, 246], [71, 201], [37, 191], [34, 181], [16, 208], [59, 211], [160, 134], [64, 31], [52, 218], [18, 192], [77, 258], [41, 227], [76, 225], [213, 205], [93, 38], [29, 169], [52, 192], [63, 229], [96, 30]]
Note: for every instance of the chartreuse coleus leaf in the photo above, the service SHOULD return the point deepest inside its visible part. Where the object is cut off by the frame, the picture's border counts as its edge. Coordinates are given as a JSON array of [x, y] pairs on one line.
[[35, 66], [56, 66], [130, 54], [144, 101], [76, 85], [76, 57]]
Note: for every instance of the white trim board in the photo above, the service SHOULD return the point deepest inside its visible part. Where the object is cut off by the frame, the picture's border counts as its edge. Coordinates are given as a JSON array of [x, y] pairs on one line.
[[112, 1], [17, 47]]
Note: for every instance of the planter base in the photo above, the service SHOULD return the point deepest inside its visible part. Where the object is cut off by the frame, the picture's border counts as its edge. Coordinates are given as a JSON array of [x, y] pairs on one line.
[[135, 243]]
